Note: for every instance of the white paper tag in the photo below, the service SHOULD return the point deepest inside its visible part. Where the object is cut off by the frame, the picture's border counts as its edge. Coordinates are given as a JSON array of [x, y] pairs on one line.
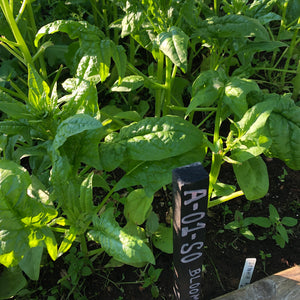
[[247, 272]]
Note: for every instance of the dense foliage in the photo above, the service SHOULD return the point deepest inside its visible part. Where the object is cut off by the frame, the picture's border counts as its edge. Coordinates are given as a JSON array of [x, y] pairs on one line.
[[116, 94]]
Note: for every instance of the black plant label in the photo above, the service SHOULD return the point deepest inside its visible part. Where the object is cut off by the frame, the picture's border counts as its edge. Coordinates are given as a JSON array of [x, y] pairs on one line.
[[190, 189]]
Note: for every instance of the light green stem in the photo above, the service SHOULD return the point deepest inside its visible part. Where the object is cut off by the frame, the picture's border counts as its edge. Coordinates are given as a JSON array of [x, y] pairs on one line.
[[8, 13], [159, 92], [225, 198]]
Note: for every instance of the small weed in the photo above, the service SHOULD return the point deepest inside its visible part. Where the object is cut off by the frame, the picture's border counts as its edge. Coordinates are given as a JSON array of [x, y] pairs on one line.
[[264, 257], [150, 278], [283, 175]]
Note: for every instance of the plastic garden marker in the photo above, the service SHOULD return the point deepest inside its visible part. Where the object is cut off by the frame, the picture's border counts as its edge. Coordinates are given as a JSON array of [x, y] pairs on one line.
[[247, 272], [190, 189]]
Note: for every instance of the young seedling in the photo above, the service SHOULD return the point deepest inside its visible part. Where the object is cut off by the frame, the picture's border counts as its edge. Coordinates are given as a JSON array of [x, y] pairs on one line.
[[240, 226], [277, 226], [264, 257]]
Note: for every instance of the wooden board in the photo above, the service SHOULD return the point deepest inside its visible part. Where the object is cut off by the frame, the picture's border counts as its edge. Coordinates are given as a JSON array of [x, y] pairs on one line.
[[284, 285]]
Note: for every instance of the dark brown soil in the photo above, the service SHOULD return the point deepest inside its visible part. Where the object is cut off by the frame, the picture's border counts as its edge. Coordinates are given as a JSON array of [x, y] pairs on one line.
[[224, 254]]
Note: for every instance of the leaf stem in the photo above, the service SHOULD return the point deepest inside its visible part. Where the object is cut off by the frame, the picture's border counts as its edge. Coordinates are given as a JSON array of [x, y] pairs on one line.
[[225, 198], [8, 13], [158, 93]]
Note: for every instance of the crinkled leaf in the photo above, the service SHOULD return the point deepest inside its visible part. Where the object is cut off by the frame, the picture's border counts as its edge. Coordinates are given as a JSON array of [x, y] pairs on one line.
[[252, 177], [284, 129], [72, 126], [253, 138], [231, 26], [173, 44], [152, 175], [159, 138], [132, 22], [117, 243], [75, 29], [83, 98], [137, 206], [93, 57], [23, 219], [129, 83]]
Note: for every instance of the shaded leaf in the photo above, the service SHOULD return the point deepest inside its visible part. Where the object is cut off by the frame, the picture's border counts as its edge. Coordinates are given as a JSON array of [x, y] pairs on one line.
[[117, 243]]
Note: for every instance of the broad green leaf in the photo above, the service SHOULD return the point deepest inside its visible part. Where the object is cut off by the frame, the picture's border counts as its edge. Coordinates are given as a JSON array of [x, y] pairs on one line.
[[16, 128], [72, 126], [247, 234], [93, 57], [83, 98], [235, 95], [128, 84], [120, 59], [75, 29], [111, 155], [132, 22], [23, 219], [15, 110], [261, 221], [159, 138], [173, 44], [11, 282], [292, 11], [190, 13], [252, 177], [274, 216], [99, 181], [231, 26], [163, 238], [137, 206], [288, 221], [205, 90], [284, 129], [31, 262], [152, 175], [117, 243], [283, 233], [83, 148], [152, 223], [253, 138], [279, 240]]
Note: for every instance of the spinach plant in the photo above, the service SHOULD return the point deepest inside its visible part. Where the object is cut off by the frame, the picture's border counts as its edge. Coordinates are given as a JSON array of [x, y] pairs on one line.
[[66, 131]]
